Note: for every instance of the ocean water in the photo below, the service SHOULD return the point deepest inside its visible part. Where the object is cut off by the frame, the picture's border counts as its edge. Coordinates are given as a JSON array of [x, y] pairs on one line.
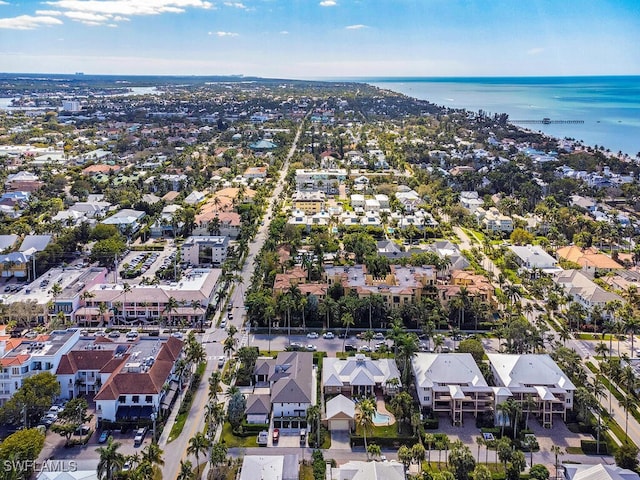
[[609, 106]]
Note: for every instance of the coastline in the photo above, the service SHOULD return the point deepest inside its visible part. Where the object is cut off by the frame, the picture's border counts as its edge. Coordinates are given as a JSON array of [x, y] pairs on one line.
[[608, 107]]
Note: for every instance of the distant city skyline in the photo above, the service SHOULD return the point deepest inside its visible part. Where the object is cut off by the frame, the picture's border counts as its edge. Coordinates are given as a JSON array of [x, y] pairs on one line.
[[309, 39]]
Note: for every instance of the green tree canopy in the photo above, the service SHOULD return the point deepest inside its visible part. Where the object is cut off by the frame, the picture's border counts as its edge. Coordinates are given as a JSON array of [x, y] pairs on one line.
[[34, 396]]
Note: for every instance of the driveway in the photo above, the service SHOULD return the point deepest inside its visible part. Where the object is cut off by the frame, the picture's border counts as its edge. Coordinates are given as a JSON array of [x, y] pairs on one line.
[[340, 440]]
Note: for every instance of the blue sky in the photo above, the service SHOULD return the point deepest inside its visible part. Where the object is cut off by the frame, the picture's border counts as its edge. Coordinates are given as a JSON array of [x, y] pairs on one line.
[[322, 38]]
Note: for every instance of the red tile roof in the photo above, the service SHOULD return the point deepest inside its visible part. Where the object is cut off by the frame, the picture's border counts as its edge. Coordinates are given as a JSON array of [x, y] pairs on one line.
[[143, 383]]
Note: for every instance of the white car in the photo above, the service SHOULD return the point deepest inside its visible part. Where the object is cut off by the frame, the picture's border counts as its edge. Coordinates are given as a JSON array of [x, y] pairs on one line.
[[328, 336], [312, 335], [378, 336], [311, 348]]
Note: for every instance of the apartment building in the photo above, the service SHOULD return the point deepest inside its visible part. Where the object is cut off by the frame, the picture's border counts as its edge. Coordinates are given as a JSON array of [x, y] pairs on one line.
[[452, 383]]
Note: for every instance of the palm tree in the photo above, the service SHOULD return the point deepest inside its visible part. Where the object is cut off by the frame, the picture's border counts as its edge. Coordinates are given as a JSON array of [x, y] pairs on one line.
[[347, 321], [556, 450], [198, 444], [364, 418], [186, 471], [152, 455], [429, 439], [628, 402], [171, 307], [408, 348], [214, 385], [111, 461], [480, 442], [313, 418]]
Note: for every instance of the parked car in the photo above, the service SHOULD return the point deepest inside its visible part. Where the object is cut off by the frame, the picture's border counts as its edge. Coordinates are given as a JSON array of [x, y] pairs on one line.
[[221, 361], [263, 438], [132, 335], [312, 335], [126, 467], [276, 435], [378, 336], [328, 336], [177, 334], [294, 347], [349, 348], [139, 438], [365, 349], [104, 436], [82, 430], [311, 348], [114, 334]]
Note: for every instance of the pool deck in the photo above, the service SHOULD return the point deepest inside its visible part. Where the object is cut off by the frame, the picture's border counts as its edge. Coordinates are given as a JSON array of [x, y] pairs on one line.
[[382, 408]]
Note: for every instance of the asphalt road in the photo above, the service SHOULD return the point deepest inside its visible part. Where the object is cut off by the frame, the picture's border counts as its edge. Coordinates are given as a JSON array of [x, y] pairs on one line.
[[213, 337]]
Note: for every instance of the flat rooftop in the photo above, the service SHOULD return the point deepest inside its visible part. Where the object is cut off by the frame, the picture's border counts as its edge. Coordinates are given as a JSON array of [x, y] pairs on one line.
[[57, 339], [38, 290]]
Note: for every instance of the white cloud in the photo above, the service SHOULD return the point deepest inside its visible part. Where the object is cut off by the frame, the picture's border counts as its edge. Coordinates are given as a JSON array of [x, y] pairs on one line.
[[535, 51], [3, 3], [28, 22], [88, 17], [130, 7], [359, 26], [328, 3], [235, 5], [50, 13], [284, 32], [224, 34]]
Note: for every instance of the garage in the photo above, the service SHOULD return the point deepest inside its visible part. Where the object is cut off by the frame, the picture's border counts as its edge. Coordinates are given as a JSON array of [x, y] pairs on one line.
[[337, 425], [341, 412]]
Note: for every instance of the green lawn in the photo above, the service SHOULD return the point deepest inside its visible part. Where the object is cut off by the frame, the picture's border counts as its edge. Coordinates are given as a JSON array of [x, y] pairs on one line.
[[232, 441]]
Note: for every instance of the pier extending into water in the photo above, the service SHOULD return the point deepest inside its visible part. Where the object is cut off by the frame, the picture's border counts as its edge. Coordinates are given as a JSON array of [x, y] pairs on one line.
[[548, 121]]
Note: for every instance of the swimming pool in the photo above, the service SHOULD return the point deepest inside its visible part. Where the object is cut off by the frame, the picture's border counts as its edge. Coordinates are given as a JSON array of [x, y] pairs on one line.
[[380, 418]]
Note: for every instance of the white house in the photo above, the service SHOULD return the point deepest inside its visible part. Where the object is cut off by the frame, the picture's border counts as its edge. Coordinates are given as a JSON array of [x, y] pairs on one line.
[[359, 470], [585, 291], [534, 256], [359, 375], [471, 201], [597, 472]]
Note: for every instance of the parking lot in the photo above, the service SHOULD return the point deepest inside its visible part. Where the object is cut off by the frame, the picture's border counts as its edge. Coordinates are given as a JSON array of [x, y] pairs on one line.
[[146, 263]]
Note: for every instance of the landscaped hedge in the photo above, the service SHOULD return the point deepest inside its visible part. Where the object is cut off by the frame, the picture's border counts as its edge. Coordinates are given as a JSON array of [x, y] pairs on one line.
[[590, 447], [431, 423], [254, 427], [394, 442]]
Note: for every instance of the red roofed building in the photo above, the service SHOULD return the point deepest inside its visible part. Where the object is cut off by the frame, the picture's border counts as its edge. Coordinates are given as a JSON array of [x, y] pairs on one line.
[[136, 388]]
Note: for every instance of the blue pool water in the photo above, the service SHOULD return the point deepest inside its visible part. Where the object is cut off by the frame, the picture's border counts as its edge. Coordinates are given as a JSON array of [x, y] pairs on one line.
[[379, 418]]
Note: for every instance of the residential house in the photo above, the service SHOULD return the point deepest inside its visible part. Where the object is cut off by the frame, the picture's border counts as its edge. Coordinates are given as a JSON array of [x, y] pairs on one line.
[[127, 220], [471, 201], [290, 379], [409, 200], [360, 376], [308, 202], [403, 285], [194, 198], [340, 413], [35, 243], [136, 388], [360, 470], [448, 250], [205, 251], [258, 409], [590, 259], [357, 201], [584, 291], [23, 182], [532, 376], [601, 471], [451, 382], [270, 467], [15, 264], [493, 220], [383, 201], [251, 173], [531, 257], [168, 223]]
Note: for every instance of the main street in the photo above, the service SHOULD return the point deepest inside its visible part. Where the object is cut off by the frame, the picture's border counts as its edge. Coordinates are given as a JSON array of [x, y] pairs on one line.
[[213, 337]]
